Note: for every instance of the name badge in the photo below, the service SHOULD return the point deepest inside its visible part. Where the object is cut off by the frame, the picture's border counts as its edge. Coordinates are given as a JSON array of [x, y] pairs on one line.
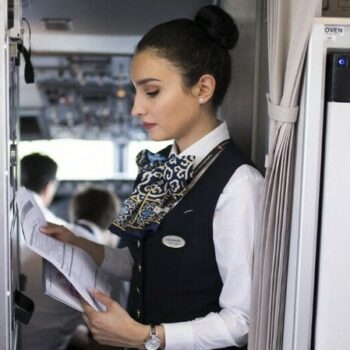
[[173, 241]]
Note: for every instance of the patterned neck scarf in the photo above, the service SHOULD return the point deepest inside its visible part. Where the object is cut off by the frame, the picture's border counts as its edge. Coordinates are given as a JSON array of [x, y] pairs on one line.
[[162, 183]]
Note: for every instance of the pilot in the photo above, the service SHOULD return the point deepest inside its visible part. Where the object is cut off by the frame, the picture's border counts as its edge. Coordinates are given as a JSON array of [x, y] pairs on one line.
[[52, 322]]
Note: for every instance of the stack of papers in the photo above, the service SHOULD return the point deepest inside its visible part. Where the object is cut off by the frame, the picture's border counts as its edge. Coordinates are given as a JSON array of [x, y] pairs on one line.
[[69, 273]]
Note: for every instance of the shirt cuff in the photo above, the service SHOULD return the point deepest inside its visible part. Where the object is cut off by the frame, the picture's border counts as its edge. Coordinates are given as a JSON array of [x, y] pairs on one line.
[[178, 336]]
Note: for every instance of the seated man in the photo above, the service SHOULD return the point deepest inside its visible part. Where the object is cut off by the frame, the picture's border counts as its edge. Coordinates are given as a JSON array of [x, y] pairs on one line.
[[52, 322], [94, 209]]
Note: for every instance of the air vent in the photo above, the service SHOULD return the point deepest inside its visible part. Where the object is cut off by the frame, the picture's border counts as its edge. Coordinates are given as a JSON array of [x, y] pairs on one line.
[[58, 24]]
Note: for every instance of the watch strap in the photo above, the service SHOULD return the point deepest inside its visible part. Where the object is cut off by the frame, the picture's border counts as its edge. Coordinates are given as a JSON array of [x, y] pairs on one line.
[[153, 341], [153, 330]]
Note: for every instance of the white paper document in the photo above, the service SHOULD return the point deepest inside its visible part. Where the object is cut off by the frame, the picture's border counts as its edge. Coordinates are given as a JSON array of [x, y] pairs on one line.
[[69, 273]]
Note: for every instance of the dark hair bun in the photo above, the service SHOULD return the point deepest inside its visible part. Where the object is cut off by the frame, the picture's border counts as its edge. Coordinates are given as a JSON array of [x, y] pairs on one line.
[[219, 25]]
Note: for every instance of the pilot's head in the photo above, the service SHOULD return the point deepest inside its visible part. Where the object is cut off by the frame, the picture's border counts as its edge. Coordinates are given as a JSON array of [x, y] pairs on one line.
[[38, 174]]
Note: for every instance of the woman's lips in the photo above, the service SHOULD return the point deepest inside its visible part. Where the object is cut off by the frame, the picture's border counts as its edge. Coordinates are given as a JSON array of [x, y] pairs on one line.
[[148, 125]]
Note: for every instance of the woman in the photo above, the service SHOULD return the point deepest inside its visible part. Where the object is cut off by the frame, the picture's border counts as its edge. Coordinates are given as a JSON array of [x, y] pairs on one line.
[[190, 239]]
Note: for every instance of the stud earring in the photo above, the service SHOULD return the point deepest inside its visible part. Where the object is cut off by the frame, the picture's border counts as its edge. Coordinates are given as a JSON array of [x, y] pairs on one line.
[[201, 100]]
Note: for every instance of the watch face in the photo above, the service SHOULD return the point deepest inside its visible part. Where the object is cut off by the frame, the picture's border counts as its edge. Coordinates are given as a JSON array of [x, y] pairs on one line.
[[152, 343]]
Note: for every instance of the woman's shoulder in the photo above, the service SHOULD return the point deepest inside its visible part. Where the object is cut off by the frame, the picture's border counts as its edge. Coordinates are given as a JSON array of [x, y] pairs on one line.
[[248, 171], [245, 175]]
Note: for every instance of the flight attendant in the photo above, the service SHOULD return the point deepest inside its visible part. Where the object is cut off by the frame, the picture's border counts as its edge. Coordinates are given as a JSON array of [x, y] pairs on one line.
[[189, 224]]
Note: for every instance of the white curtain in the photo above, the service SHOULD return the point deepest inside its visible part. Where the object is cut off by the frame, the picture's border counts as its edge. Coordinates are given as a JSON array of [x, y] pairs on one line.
[[289, 25]]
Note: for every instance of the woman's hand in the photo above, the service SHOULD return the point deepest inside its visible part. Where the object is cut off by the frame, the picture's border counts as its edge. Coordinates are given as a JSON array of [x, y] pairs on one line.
[[96, 251], [114, 326], [59, 232]]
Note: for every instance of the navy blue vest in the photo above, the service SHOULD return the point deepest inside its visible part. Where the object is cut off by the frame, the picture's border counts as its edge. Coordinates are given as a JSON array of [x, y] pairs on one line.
[[181, 284]]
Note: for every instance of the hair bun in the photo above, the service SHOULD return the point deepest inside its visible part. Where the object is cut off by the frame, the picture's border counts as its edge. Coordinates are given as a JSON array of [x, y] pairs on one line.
[[219, 25]]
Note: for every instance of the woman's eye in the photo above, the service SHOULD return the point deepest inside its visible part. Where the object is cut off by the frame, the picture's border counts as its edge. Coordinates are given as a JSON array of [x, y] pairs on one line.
[[153, 93]]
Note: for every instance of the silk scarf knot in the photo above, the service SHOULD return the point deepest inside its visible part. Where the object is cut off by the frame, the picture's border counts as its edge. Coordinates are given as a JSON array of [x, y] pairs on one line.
[[161, 183]]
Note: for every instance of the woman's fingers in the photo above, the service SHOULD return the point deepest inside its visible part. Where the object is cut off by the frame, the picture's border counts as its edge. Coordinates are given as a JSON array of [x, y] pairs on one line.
[[49, 227], [111, 327], [86, 320], [88, 310], [103, 298], [58, 231]]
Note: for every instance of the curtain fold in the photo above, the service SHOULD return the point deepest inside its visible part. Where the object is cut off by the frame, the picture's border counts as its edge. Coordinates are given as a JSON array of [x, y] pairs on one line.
[[289, 25]]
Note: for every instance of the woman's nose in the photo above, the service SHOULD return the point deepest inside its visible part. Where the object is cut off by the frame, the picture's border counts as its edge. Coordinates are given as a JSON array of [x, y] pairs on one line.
[[137, 109]]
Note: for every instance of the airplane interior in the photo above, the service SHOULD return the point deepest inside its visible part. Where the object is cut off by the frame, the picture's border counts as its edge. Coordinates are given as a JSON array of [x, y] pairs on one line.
[[66, 92]]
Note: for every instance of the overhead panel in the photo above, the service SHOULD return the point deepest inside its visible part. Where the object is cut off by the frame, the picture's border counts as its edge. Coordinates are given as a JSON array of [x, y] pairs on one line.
[[81, 96]]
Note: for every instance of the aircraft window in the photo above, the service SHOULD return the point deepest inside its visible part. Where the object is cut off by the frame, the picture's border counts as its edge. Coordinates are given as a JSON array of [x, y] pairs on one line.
[[91, 159], [76, 159]]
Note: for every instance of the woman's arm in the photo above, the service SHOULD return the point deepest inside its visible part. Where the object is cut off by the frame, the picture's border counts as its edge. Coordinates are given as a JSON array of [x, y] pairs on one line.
[[60, 232]]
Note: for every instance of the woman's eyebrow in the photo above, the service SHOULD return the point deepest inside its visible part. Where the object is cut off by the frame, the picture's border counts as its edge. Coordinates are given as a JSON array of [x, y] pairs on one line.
[[145, 81]]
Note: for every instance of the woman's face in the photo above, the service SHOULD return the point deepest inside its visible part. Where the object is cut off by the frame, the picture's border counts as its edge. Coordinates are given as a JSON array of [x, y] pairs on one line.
[[166, 108]]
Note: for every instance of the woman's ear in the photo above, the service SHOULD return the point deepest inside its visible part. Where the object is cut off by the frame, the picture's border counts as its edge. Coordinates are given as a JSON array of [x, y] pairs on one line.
[[204, 89]]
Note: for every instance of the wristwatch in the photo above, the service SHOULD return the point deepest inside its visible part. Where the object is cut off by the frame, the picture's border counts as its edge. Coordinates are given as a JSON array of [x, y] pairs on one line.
[[153, 341]]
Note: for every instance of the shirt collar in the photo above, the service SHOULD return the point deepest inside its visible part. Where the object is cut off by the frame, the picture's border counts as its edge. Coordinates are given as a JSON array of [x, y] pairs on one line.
[[39, 200], [94, 228], [204, 145]]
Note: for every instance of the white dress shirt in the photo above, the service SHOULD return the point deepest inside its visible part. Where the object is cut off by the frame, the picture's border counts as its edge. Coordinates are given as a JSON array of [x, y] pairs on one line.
[[234, 225]]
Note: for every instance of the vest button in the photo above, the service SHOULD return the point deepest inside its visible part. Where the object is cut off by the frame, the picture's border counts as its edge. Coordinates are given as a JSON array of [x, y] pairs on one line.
[[139, 267], [138, 244], [138, 290], [138, 313]]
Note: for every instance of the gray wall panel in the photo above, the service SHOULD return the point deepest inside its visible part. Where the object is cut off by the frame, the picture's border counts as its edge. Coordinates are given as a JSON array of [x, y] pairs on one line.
[[243, 108]]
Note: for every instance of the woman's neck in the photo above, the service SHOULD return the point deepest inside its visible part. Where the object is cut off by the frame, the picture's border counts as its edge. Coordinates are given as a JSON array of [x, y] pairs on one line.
[[199, 133]]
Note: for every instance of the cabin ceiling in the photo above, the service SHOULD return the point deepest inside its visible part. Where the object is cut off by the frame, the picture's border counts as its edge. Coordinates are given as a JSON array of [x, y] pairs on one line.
[[109, 17]]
